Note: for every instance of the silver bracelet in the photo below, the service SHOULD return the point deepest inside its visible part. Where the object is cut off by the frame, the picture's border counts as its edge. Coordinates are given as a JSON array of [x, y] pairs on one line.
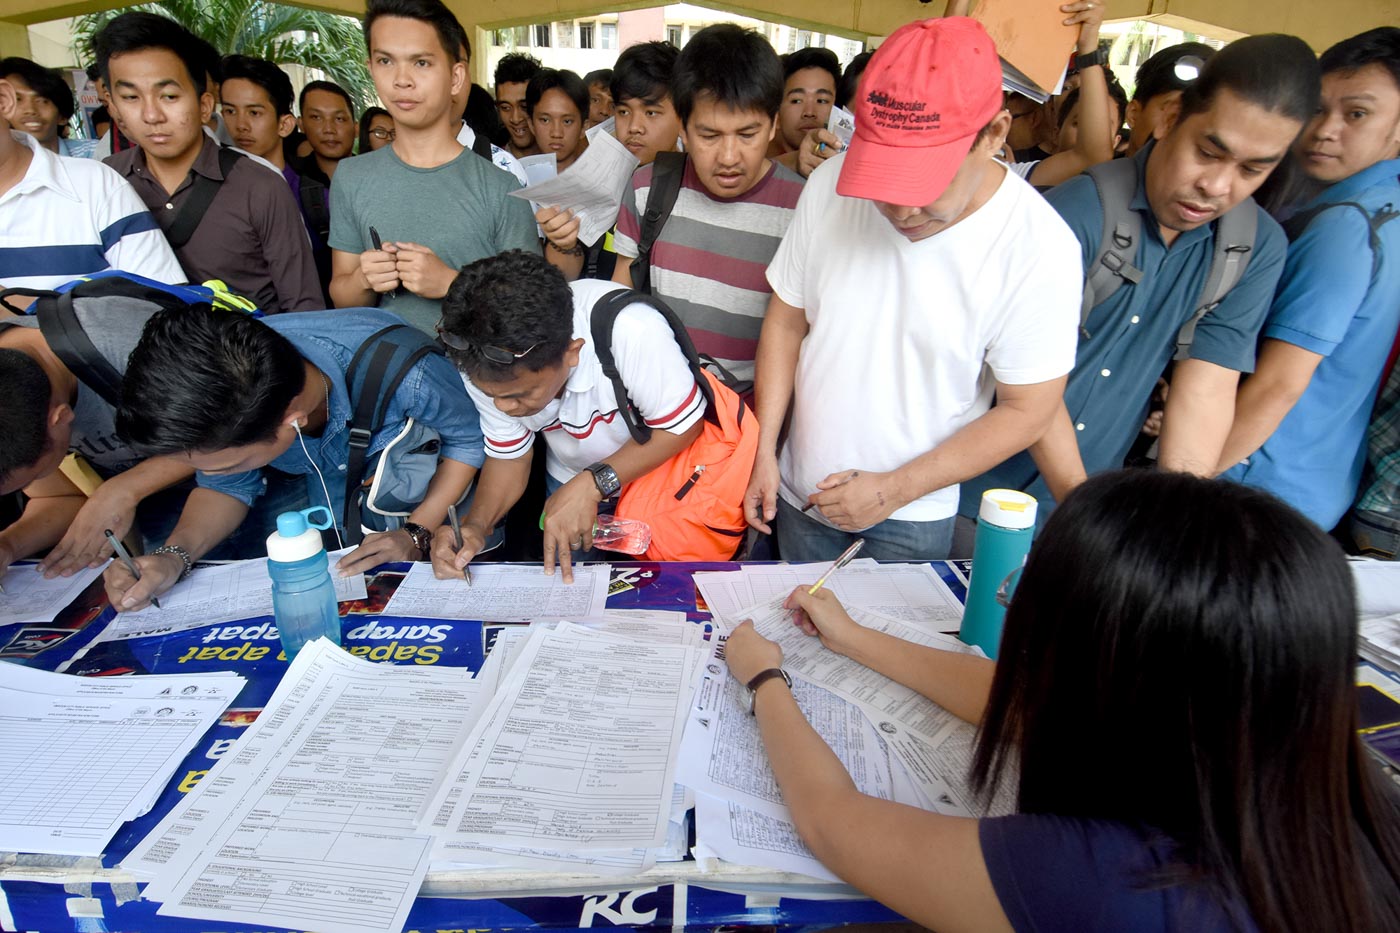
[[179, 552]]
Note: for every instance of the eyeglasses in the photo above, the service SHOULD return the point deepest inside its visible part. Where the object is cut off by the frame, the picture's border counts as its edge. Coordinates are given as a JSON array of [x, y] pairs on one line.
[[1188, 68], [379, 133], [499, 355]]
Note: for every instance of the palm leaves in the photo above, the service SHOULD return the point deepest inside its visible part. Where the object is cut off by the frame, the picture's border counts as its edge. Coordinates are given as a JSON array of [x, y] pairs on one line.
[[279, 33]]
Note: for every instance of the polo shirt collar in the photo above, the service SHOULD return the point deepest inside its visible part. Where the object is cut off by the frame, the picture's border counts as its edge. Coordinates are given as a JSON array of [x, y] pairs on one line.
[[207, 162], [45, 171], [1141, 204], [1348, 188]]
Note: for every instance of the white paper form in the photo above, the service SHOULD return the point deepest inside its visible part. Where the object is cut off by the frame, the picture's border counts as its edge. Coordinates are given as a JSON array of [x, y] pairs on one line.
[[722, 753], [310, 822], [28, 597], [912, 593], [578, 751], [500, 593], [593, 187], [218, 593], [79, 756], [541, 167], [744, 836]]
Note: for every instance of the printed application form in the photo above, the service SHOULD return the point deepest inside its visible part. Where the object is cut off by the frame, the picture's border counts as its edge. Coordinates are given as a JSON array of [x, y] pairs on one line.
[[501, 593], [593, 187], [218, 593], [311, 820], [79, 756], [912, 593], [28, 597]]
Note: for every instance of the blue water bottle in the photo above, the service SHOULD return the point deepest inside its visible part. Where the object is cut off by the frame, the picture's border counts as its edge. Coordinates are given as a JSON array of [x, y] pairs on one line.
[[303, 597], [1005, 529]]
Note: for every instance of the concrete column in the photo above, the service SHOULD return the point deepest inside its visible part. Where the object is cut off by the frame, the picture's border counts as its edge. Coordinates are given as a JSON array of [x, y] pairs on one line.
[[14, 39]]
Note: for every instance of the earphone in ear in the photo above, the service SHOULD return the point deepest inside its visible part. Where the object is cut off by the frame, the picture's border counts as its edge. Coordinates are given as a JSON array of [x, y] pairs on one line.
[[296, 426]]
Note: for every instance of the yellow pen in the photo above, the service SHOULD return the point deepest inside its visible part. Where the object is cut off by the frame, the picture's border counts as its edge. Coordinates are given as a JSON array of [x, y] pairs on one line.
[[846, 557]]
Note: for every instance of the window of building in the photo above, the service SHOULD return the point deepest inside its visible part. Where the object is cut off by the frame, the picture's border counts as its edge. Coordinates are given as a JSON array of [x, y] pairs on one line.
[[607, 35], [585, 35], [673, 35], [564, 35], [540, 39]]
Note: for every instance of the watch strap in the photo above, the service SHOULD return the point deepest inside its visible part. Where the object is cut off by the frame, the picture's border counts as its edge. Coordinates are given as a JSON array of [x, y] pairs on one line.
[[422, 537], [606, 479], [760, 679], [1089, 59]]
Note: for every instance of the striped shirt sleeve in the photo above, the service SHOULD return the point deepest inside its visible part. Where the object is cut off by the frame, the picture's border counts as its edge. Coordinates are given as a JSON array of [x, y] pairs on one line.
[[131, 239], [506, 438]]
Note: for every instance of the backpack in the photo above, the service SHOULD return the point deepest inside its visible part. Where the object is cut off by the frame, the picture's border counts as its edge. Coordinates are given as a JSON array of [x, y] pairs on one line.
[[61, 329], [202, 191], [314, 207], [400, 476], [693, 502], [1116, 182]]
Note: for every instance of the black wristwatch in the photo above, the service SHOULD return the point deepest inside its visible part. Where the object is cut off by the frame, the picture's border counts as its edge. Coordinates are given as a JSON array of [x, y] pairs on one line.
[[422, 537], [1097, 57], [762, 677], [605, 478]]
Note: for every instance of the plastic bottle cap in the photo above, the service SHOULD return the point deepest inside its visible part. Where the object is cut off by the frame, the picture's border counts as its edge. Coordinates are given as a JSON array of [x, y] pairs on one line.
[[297, 536], [291, 524], [1007, 508]]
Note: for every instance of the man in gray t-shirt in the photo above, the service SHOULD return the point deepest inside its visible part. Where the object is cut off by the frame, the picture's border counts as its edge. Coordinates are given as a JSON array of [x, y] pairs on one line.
[[50, 412], [432, 205]]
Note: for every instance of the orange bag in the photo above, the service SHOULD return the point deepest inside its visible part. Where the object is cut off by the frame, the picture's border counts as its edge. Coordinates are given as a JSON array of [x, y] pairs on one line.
[[694, 502]]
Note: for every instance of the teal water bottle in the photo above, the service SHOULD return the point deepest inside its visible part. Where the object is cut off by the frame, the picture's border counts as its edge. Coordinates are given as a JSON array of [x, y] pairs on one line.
[[303, 597], [1005, 529]]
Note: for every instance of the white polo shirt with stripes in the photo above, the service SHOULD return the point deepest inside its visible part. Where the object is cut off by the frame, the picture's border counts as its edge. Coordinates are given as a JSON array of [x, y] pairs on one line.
[[68, 218], [583, 425]]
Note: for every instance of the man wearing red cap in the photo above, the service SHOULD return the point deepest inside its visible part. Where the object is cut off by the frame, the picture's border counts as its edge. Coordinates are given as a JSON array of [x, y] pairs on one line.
[[918, 280]]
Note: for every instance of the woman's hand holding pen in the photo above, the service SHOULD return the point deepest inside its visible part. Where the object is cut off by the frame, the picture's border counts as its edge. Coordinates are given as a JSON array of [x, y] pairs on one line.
[[822, 614]]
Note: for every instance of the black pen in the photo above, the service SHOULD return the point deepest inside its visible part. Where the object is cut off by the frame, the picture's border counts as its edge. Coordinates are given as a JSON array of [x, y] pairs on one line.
[[374, 239], [457, 536], [121, 552]]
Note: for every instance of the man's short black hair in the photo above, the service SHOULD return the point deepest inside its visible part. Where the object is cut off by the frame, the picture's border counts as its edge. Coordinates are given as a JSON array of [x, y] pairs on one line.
[[213, 61], [602, 76], [265, 75], [24, 417], [510, 302], [203, 380], [1158, 74], [1115, 93], [329, 86], [1276, 72], [1380, 46], [850, 79], [813, 57], [138, 31], [516, 68], [643, 71], [42, 81], [733, 66], [547, 79], [433, 12]]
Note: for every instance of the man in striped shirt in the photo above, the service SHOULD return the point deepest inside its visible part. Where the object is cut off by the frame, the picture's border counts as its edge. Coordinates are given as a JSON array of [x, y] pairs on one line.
[[62, 218], [734, 204]]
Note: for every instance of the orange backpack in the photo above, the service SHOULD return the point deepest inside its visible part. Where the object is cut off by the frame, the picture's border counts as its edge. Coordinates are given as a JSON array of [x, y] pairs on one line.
[[693, 502]]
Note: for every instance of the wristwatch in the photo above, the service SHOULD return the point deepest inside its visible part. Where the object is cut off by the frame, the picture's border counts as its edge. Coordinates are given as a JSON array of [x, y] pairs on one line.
[[605, 478], [762, 677], [422, 537], [1097, 57]]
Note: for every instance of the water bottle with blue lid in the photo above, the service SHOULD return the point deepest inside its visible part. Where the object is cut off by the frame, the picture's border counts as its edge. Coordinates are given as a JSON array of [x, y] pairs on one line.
[[303, 596]]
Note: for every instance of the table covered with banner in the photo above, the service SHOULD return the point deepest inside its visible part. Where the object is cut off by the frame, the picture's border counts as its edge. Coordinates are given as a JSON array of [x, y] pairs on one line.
[[52, 892]]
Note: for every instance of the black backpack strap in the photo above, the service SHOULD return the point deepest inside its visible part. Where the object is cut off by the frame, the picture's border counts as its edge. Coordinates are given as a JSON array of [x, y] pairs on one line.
[[667, 172], [59, 325], [202, 192], [482, 147], [602, 317], [314, 208], [1235, 232], [20, 290], [1112, 266], [369, 401], [1299, 222]]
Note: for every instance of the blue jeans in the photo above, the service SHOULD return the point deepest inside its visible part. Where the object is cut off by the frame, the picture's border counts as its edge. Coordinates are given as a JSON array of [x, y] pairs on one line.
[[805, 539]]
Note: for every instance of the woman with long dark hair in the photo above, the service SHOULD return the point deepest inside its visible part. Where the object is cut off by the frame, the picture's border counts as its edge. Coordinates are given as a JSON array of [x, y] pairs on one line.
[[1174, 708]]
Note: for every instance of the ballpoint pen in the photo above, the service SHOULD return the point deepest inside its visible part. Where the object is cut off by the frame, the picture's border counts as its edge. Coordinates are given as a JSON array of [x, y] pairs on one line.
[[125, 557], [457, 537], [846, 557]]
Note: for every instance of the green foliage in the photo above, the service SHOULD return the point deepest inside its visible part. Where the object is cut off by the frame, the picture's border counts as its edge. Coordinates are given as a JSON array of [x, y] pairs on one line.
[[280, 33]]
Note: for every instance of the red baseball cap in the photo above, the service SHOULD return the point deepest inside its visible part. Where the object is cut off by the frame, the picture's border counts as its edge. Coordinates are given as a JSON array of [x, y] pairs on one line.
[[927, 91]]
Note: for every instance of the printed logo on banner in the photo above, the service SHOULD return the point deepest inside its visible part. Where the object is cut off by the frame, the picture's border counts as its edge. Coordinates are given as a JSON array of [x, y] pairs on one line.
[[620, 909], [632, 577], [30, 641]]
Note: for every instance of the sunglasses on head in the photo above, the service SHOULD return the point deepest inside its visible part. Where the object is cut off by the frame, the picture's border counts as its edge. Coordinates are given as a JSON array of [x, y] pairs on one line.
[[499, 355]]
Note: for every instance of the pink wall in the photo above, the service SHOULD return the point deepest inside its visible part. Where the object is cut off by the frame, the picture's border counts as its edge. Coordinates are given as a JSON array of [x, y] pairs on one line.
[[635, 26]]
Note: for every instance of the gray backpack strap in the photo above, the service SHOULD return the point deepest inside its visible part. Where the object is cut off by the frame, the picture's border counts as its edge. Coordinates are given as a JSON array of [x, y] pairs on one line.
[[1116, 182], [1234, 244]]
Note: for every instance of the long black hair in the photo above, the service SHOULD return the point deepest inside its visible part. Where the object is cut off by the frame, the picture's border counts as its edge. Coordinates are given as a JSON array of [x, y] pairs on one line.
[[1179, 656]]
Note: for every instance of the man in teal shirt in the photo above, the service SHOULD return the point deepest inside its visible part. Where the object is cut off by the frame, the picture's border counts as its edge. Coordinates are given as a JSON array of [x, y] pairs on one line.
[[1300, 420]]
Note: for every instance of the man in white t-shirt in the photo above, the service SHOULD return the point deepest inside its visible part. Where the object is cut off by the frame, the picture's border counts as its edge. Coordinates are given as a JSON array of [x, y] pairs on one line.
[[520, 334], [918, 281]]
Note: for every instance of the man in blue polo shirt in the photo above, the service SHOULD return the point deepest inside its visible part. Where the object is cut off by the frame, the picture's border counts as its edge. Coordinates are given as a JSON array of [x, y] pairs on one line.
[[1338, 304], [1236, 122], [229, 395]]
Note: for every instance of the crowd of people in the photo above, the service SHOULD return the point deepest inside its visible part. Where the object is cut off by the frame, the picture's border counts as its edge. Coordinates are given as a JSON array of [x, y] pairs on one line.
[[834, 340]]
